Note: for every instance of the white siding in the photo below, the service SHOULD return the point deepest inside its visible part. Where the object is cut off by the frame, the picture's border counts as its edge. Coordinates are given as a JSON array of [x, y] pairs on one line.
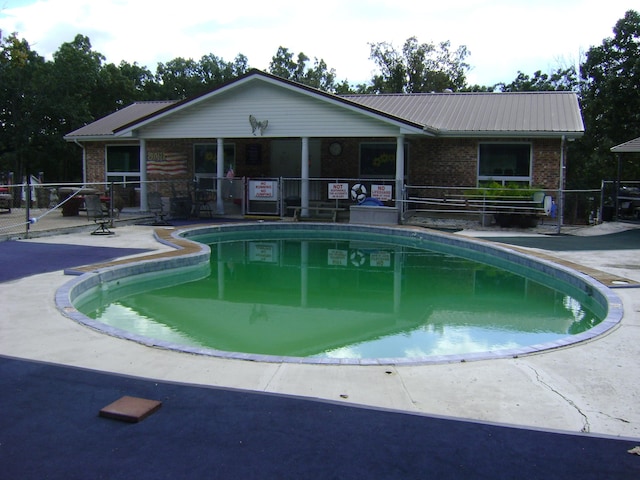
[[290, 114]]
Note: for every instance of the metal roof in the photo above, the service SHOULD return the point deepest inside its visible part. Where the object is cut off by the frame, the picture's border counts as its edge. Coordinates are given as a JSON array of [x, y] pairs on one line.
[[440, 114], [106, 126], [554, 113], [630, 146]]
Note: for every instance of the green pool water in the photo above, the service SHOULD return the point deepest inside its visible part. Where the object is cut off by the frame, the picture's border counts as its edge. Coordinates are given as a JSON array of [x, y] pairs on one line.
[[340, 298]]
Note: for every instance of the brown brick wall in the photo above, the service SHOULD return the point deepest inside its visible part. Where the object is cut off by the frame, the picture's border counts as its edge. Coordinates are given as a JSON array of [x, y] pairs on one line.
[[546, 163], [450, 162], [446, 162], [95, 162]]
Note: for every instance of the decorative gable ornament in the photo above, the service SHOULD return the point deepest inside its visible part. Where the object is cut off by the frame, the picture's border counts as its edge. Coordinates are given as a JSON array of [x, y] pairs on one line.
[[258, 126]]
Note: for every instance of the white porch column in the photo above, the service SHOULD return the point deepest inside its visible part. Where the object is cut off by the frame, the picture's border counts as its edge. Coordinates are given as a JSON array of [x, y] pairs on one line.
[[144, 204], [304, 174], [219, 175], [399, 173]]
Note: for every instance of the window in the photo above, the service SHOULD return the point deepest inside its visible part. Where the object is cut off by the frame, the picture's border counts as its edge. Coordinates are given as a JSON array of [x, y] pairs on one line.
[[123, 164], [379, 159], [504, 163], [205, 157]]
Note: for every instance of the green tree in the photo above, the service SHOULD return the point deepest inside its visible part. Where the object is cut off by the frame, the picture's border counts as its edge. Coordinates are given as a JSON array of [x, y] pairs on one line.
[[563, 79], [119, 86], [318, 75], [418, 68], [75, 76], [610, 94], [178, 79], [21, 111], [184, 78]]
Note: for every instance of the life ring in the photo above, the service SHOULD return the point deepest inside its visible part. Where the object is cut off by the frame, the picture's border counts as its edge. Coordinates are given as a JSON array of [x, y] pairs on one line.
[[358, 193], [357, 258]]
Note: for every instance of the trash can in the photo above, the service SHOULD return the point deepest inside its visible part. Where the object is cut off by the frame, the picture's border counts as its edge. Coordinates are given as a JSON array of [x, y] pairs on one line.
[[71, 208]]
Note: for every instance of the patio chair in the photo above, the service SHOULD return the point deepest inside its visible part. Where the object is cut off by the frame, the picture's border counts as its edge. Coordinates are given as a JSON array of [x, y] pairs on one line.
[[154, 199], [97, 214], [180, 204]]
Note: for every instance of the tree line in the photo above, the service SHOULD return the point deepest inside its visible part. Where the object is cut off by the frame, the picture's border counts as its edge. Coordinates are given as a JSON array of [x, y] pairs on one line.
[[42, 100]]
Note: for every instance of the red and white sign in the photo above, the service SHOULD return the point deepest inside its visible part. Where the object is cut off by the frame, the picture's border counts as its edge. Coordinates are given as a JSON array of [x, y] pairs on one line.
[[338, 191], [383, 193], [263, 190]]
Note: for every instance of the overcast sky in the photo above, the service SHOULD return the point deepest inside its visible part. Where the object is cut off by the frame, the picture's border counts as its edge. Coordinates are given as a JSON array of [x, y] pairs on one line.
[[503, 36]]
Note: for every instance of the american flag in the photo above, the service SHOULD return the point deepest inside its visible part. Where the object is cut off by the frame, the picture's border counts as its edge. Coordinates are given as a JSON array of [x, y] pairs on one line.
[[171, 164]]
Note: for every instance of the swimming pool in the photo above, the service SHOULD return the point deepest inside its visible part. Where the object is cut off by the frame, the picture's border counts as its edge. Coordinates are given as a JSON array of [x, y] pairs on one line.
[[384, 262]]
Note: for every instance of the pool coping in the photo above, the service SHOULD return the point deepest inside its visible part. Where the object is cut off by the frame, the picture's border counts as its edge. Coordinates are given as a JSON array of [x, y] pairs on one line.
[[189, 254]]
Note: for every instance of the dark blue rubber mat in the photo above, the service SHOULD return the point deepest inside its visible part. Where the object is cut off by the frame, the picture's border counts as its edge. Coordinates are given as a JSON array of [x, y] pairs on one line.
[[21, 259], [50, 428]]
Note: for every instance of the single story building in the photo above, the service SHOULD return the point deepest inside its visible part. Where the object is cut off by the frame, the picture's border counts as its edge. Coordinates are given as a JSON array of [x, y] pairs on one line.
[[260, 126]]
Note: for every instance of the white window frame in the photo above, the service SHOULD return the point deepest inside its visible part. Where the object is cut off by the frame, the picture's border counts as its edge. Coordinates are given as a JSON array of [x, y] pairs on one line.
[[501, 177], [123, 178]]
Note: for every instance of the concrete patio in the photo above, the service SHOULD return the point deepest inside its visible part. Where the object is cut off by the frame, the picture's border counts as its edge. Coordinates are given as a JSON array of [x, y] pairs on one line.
[[592, 387]]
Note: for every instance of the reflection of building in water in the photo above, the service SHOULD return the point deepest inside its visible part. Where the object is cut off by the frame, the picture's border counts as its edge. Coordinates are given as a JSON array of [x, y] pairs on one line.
[[310, 297], [404, 282]]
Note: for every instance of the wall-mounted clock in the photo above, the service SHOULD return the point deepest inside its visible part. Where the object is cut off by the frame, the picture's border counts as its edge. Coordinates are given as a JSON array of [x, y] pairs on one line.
[[335, 149]]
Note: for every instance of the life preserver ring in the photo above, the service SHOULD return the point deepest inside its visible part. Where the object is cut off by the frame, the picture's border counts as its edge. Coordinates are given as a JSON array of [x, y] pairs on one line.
[[357, 258], [358, 193]]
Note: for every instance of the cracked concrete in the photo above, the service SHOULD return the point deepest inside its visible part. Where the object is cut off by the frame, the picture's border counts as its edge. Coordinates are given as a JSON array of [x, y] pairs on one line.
[[592, 387], [539, 378]]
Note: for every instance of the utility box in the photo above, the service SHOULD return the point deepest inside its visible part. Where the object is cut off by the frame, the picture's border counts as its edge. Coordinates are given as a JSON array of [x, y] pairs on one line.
[[373, 215]]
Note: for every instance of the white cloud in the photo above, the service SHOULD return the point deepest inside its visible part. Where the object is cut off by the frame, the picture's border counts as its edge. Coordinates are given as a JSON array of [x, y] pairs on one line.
[[503, 36]]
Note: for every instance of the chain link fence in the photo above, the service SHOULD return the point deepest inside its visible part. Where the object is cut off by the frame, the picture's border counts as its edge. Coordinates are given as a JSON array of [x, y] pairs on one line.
[[33, 207]]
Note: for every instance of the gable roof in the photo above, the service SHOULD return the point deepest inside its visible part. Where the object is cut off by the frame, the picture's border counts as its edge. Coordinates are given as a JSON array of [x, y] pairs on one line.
[[630, 146], [440, 114]]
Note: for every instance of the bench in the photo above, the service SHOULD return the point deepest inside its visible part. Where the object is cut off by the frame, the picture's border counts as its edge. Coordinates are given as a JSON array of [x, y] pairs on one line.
[[332, 210]]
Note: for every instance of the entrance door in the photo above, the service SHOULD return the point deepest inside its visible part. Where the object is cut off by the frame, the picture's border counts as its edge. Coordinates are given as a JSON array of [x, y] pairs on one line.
[[285, 157]]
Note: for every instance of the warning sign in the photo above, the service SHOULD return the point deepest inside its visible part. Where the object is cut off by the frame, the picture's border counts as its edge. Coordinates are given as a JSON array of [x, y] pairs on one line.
[[338, 191], [382, 192], [263, 190]]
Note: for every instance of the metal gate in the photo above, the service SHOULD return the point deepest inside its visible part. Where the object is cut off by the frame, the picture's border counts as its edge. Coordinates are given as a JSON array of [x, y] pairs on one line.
[[263, 196]]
